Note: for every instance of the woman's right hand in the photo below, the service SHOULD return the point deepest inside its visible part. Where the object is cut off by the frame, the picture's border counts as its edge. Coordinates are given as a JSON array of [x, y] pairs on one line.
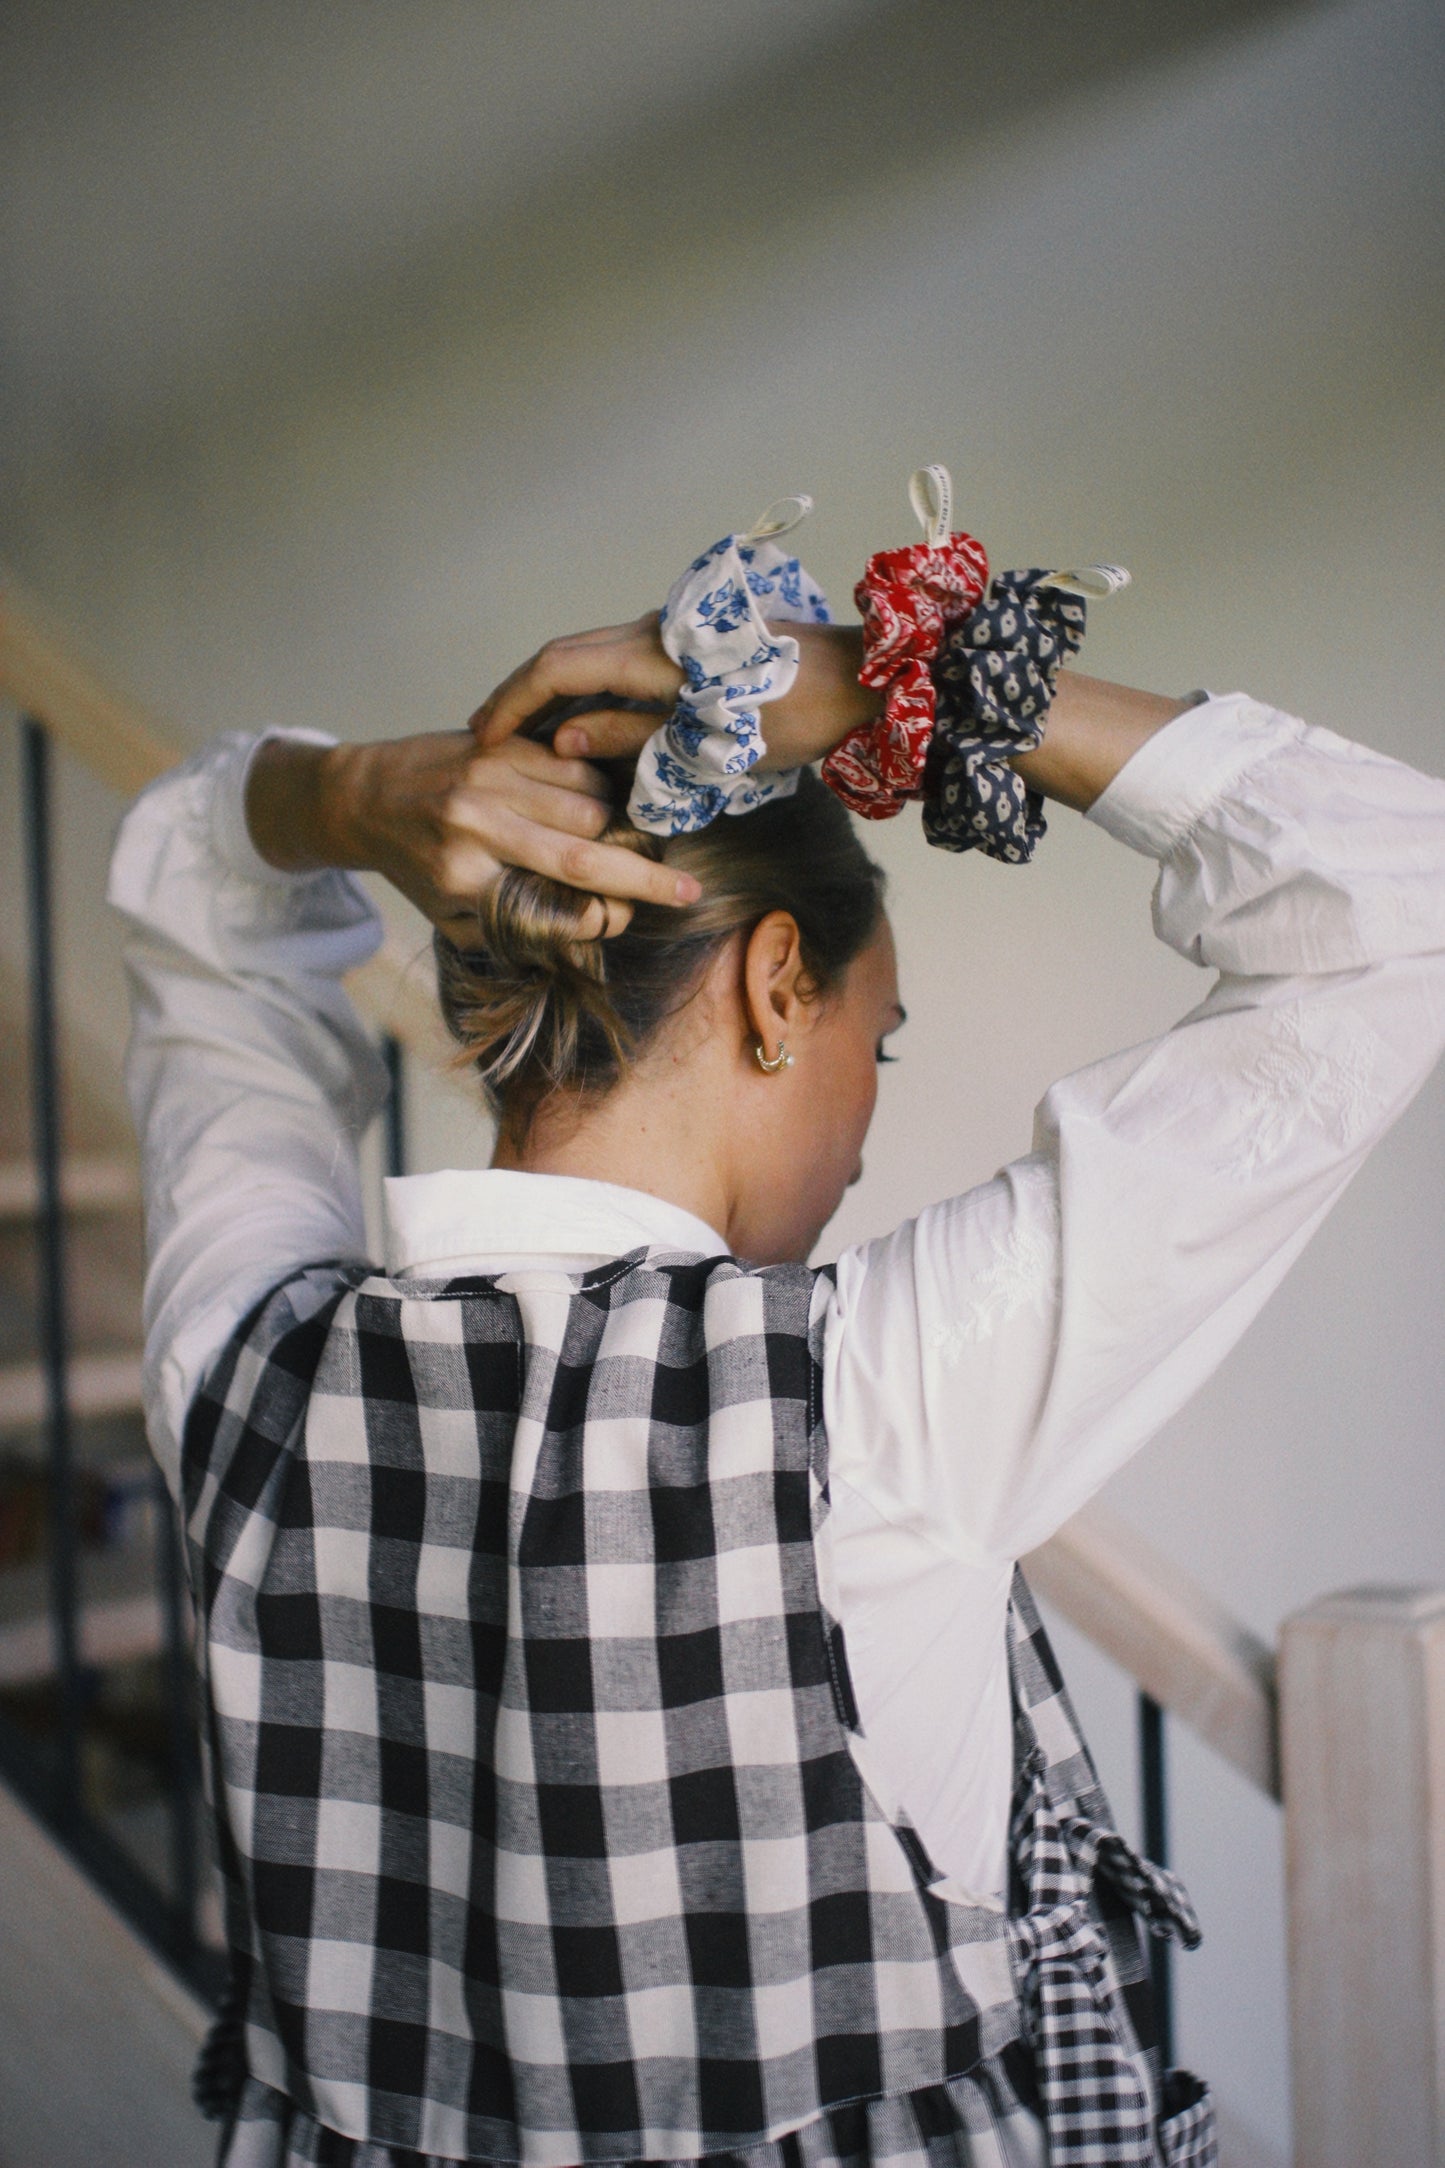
[[439, 817], [630, 662]]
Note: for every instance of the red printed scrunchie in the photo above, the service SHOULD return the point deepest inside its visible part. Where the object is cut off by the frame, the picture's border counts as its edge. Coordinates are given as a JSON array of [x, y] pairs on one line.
[[908, 599]]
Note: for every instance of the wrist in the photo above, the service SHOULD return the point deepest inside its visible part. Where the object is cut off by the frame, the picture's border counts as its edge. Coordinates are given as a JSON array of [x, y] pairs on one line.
[[858, 704], [340, 800], [297, 801], [1094, 729], [826, 700]]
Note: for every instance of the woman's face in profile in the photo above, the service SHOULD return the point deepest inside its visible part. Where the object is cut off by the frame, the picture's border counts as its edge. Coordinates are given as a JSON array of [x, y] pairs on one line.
[[832, 1088]]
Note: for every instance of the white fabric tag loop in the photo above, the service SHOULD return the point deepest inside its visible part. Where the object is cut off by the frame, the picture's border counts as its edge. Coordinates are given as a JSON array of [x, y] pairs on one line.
[[1098, 581], [930, 492], [780, 517]]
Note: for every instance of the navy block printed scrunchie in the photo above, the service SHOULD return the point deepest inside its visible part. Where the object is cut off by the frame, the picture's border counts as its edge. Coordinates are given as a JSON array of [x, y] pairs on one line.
[[995, 676]]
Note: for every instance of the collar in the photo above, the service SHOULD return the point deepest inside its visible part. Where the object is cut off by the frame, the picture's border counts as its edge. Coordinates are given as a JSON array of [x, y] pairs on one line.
[[473, 1220]]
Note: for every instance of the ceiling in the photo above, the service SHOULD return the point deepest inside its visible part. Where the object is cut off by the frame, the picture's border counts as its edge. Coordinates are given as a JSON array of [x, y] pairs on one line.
[[181, 179]]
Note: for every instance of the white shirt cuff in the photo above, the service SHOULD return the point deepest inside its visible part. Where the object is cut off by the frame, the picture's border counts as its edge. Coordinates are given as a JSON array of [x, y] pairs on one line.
[[1164, 790]]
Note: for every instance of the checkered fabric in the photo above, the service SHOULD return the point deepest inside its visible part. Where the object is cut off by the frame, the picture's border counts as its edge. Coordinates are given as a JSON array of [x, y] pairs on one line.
[[529, 1739], [1098, 2106], [977, 2121]]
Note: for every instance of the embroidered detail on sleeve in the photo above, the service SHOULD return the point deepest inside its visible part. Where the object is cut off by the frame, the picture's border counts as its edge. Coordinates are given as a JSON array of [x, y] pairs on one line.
[[1316, 1069], [1402, 914], [1022, 1274]]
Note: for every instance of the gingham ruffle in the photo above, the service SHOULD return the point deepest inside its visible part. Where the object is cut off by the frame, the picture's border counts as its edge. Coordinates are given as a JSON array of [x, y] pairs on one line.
[[995, 676], [908, 599], [975, 2121], [1095, 2102], [701, 762]]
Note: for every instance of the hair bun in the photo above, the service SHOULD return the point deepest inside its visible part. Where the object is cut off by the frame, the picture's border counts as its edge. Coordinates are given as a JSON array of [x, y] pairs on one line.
[[533, 984], [536, 1008]]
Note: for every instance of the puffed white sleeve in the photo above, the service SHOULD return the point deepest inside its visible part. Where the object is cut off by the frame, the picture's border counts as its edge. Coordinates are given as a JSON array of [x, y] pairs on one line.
[[991, 1363], [251, 1077]]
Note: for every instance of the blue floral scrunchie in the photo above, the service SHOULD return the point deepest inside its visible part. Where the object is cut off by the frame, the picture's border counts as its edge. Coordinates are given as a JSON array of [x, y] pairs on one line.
[[995, 676], [699, 764]]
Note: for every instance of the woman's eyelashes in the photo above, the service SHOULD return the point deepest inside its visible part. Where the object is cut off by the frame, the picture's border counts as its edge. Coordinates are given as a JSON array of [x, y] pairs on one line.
[[883, 1055]]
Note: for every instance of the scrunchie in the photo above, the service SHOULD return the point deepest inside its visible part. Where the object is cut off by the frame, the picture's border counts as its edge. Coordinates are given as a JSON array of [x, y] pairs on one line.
[[908, 599], [698, 764], [995, 677]]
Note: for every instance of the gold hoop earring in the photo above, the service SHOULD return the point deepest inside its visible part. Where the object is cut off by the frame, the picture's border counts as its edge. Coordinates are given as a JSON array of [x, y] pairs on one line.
[[781, 1060]]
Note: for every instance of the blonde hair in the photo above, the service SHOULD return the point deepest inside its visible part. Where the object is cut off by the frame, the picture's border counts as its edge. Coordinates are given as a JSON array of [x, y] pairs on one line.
[[535, 1009]]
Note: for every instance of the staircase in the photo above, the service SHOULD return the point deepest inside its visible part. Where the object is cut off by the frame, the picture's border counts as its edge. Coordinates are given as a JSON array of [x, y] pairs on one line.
[[126, 1760]]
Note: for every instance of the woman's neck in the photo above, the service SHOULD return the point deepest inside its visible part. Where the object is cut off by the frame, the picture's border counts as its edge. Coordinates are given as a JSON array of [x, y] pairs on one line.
[[653, 1138]]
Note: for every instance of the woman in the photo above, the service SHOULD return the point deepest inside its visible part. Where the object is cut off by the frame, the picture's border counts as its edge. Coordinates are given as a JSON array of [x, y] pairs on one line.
[[628, 1737]]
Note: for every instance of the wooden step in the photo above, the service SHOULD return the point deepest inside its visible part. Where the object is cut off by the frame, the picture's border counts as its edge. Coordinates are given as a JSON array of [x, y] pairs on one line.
[[89, 1182], [107, 1384]]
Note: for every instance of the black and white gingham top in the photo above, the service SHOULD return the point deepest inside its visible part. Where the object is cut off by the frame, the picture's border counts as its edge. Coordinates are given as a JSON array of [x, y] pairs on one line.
[[529, 1738]]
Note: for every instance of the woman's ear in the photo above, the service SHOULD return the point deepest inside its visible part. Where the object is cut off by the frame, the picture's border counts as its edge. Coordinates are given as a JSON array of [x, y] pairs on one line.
[[774, 981]]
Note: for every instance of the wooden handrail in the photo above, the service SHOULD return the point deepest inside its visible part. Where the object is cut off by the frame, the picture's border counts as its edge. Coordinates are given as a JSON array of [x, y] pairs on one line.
[[118, 739], [1171, 1637]]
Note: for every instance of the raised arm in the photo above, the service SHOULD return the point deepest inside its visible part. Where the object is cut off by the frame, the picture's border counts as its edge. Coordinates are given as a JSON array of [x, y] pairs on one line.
[[1009, 1349], [991, 1363], [251, 1078], [1093, 727]]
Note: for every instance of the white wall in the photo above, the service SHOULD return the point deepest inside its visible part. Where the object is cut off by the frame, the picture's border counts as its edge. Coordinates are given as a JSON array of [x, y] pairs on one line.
[[390, 385]]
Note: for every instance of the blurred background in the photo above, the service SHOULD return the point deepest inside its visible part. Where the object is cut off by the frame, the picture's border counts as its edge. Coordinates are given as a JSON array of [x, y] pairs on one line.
[[351, 350]]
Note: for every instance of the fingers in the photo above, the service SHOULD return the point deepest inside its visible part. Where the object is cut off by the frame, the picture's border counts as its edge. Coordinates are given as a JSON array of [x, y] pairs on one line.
[[619, 915], [604, 918], [606, 869], [605, 734], [522, 804], [547, 804], [625, 660], [545, 764]]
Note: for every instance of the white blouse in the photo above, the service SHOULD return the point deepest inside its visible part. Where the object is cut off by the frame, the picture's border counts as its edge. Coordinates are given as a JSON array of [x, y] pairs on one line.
[[990, 1363]]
